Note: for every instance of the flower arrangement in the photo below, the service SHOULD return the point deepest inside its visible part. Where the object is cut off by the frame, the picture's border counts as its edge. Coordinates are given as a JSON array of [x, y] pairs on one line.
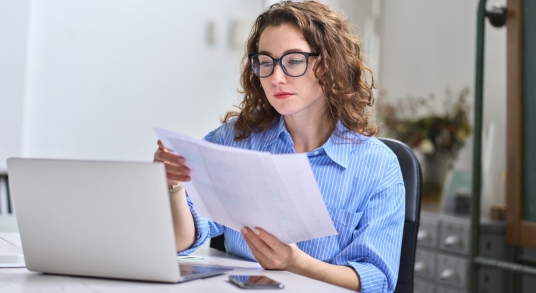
[[436, 136]]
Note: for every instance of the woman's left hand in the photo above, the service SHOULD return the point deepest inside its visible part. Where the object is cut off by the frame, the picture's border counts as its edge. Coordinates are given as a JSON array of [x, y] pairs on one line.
[[270, 252], [274, 255]]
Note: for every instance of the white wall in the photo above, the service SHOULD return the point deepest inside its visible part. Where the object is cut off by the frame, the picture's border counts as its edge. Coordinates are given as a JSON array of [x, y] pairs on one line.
[[102, 73], [428, 46], [13, 35], [365, 16], [97, 75], [89, 79]]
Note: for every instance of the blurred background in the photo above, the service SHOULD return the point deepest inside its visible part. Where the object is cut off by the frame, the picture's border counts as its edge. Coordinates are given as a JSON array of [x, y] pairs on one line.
[[90, 80]]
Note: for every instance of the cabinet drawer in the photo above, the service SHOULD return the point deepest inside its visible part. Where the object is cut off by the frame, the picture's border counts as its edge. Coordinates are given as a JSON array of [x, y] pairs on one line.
[[493, 245], [491, 280], [454, 236], [428, 230], [451, 270], [444, 289], [422, 286], [425, 263]]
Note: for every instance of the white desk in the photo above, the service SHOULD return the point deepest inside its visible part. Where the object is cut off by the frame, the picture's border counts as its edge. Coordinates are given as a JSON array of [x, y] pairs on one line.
[[21, 280]]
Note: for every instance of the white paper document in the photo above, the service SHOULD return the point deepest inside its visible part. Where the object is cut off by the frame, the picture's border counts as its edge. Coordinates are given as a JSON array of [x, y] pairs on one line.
[[239, 188]]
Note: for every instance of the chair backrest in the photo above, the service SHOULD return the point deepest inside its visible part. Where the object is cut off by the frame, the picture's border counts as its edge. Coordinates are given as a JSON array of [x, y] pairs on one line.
[[411, 173], [8, 220]]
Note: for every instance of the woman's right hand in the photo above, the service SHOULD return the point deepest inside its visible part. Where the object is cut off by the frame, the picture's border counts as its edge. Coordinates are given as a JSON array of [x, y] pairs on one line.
[[183, 221], [176, 169]]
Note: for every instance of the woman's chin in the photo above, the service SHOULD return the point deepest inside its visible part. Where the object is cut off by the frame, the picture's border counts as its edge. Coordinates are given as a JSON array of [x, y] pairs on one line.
[[286, 110]]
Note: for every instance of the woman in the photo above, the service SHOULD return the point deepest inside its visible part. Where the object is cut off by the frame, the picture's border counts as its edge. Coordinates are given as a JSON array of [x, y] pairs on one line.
[[305, 90]]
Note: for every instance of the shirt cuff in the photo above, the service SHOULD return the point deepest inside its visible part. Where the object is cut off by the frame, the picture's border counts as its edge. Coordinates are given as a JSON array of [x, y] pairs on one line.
[[370, 277]]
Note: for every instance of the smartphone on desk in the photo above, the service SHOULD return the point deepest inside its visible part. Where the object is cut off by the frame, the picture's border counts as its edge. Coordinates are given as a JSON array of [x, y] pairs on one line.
[[255, 282]]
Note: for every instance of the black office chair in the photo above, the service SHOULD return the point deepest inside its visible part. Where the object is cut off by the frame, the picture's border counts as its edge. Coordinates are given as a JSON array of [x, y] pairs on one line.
[[411, 172]]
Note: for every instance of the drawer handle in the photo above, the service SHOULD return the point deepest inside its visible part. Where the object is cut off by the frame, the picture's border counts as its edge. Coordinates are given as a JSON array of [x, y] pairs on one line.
[[420, 267], [423, 235], [453, 241], [448, 275]]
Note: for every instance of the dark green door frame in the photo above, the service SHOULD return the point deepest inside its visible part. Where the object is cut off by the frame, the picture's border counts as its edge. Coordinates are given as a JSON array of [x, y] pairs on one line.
[[497, 17]]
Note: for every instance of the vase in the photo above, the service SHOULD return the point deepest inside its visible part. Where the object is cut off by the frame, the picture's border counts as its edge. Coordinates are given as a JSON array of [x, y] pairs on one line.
[[435, 167]]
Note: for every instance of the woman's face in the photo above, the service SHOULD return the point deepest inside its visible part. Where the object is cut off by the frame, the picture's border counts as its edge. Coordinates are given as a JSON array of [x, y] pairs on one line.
[[298, 96]]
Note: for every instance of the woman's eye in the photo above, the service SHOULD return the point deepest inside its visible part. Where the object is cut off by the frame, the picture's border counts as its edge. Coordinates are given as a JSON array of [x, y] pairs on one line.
[[266, 64], [296, 62]]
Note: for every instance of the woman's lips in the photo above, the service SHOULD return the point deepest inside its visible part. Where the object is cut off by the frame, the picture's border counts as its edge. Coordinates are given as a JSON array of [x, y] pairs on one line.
[[282, 95]]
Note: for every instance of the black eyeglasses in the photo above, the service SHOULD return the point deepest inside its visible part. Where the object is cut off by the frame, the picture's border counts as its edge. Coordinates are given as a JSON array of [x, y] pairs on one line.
[[293, 64]]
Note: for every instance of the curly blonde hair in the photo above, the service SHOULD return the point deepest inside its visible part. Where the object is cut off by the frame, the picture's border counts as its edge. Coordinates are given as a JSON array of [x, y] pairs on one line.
[[342, 73]]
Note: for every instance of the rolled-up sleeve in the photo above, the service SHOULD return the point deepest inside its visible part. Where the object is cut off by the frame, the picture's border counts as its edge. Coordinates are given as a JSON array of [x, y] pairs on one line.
[[204, 229], [375, 250]]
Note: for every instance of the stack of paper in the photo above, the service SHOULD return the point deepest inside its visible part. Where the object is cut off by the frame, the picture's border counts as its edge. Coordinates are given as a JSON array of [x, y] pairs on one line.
[[239, 188]]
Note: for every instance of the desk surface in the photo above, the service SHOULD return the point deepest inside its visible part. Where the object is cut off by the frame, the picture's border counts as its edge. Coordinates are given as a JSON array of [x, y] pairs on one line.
[[21, 280]]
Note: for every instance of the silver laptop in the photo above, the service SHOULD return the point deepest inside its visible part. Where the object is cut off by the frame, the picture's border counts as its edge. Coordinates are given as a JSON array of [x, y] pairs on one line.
[[98, 219]]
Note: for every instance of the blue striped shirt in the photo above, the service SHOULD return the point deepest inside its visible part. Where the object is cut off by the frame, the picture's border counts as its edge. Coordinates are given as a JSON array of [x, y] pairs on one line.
[[361, 183]]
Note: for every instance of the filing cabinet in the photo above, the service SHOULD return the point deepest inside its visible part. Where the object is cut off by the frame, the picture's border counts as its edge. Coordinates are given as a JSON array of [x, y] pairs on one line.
[[428, 228], [425, 263], [452, 270], [442, 256], [454, 235], [423, 286]]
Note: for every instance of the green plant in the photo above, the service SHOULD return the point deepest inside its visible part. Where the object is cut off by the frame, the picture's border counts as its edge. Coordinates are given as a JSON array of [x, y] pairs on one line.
[[435, 135], [417, 123]]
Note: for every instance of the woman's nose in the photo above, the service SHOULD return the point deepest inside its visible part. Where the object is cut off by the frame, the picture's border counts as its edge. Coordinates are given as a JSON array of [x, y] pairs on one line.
[[279, 75]]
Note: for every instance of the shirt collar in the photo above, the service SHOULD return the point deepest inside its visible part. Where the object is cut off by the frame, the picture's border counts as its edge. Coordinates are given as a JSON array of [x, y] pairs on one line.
[[273, 133], [338, 147]]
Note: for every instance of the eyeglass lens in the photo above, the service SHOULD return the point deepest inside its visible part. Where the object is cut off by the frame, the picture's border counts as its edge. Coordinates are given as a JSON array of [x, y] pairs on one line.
[[293, 64]]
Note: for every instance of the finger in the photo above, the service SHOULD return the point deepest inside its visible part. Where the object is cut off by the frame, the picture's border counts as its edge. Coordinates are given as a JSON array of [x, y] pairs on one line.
[[253, 236], [161, 146], [165, 156], [257, 242], [176, 172], [173, 178], [269, 239], [259, 256], [178, 169]]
